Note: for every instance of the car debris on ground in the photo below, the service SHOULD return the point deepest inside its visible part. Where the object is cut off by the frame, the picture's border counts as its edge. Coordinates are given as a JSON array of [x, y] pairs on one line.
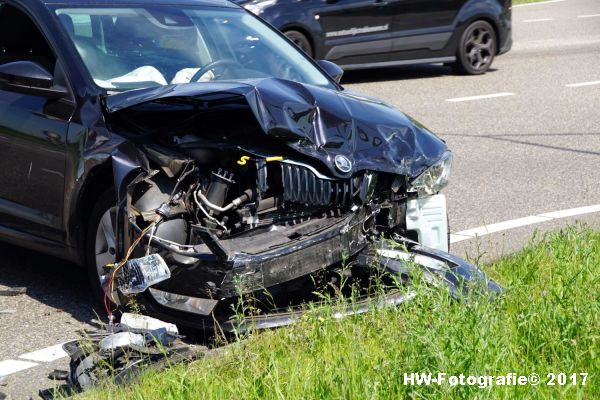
[[120, 352]]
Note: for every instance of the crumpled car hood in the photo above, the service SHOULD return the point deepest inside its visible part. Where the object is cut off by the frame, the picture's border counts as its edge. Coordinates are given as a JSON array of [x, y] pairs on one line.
[[317, 122]]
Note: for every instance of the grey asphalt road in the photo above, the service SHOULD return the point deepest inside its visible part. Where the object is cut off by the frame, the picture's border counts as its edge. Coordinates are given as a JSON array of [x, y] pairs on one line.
[[515, 156], [529, 153]]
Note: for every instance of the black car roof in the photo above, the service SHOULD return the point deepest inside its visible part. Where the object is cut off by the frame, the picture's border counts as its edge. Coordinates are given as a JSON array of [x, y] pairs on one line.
[[91, 3]]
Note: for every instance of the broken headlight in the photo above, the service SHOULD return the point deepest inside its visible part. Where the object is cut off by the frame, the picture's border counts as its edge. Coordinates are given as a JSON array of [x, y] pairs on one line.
[[434, 179], [139, 274]]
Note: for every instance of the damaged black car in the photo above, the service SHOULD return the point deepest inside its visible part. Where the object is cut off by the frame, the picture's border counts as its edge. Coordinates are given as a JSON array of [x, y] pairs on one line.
[[187, 153]]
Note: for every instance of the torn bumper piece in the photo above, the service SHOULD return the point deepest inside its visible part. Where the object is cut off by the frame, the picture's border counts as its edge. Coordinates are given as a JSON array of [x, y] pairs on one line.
[[460, 276], [278, 320]]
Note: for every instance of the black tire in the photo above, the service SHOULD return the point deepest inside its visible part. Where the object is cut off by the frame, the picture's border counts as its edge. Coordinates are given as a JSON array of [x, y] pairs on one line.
[[105, 202], [476, 50], [301, 41]]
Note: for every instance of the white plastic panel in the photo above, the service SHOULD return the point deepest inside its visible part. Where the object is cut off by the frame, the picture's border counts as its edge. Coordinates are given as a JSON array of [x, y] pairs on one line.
[[428, 216]]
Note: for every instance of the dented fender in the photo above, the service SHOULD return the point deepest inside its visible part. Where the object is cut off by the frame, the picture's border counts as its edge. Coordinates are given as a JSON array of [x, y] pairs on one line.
[[130, 166]]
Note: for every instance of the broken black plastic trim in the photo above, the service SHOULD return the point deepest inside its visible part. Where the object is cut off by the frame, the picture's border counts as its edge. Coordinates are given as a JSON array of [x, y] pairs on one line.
[[252, 273], [459, 275]]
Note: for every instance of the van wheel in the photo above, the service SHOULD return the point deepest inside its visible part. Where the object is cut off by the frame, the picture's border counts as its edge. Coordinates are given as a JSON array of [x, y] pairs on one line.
[[301, 41], [101, 244], [477, 49]]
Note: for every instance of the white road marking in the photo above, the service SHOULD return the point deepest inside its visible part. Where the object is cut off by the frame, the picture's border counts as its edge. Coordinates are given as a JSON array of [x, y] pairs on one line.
[[583, 84], [455, 238], [520, 222], [573, 212], [48, 354], [538, 20], [539, 3], [8, 367], [482, 97], [503, 226], [589, 16]]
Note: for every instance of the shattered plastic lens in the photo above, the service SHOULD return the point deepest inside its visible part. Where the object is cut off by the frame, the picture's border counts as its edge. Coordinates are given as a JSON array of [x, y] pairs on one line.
[[435, 178], [141, 273]]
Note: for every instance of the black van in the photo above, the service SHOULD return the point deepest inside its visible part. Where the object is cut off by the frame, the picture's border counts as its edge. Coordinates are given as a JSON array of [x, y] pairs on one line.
[[358, 34]]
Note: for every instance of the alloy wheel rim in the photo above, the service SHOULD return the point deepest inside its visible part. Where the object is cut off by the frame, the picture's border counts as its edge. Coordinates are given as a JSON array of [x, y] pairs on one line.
[[479, 48], [105, 244]]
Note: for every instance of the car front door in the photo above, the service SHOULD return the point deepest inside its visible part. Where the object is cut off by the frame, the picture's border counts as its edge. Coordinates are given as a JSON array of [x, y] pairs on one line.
[[424, 25], [33, 131], [355, 31]]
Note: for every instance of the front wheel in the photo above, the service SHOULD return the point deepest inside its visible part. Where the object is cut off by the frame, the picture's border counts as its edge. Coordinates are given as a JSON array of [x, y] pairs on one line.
[[476, 49], [101, 244]]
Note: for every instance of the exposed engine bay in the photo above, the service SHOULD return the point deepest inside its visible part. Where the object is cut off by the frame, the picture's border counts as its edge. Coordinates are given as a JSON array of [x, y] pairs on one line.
[[233, 189], [243, 202], [231, 222], [241, 194]]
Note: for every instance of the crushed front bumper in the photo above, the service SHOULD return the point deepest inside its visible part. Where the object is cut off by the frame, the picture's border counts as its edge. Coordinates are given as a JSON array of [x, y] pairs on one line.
[[458, 275], [219, 274], [231, 273], [399, 258]]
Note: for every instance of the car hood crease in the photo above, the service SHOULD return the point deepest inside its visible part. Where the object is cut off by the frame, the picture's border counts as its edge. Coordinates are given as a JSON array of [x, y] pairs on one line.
[[316, 122]]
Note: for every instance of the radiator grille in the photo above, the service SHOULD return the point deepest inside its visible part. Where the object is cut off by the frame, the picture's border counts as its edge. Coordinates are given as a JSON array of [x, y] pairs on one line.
[[301, 185]]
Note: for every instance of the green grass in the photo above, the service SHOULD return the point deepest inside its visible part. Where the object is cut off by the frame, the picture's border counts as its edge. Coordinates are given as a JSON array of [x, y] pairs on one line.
[[548, 321]]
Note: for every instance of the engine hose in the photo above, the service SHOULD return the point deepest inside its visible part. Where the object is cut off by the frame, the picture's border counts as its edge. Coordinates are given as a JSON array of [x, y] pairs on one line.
[[206, 214], [247, 196], [167, 245]]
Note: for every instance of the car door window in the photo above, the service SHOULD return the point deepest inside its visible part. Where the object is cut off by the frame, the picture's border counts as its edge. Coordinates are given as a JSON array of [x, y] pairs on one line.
[[20, 39], [33, 133]]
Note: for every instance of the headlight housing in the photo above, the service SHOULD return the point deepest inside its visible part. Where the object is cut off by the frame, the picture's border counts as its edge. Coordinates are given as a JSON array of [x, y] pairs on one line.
[[258, 6], [434, 179]]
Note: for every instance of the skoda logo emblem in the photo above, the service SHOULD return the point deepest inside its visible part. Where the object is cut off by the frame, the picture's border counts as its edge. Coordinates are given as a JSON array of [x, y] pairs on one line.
[[343, 163]]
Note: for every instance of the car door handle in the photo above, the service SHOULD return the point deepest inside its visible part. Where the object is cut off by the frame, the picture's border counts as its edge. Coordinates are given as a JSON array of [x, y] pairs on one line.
[[381, 2]]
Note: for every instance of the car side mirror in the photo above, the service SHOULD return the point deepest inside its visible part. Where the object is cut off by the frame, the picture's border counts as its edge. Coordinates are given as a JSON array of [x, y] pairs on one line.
[[29, 77], [332, 69]]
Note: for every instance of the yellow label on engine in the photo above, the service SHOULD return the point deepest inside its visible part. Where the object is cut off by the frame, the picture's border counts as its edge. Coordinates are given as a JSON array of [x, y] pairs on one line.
[[243, 160]]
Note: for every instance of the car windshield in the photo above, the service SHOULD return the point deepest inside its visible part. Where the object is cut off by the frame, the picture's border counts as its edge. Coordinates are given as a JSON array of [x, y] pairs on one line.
[[136, 47]]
